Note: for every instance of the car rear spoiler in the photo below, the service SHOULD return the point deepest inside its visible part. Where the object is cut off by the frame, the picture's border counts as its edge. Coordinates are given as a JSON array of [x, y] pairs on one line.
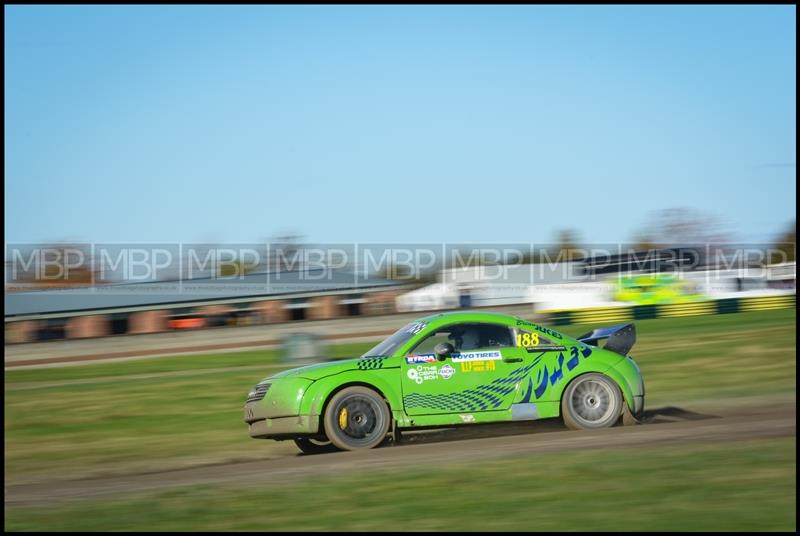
[[621, 338]]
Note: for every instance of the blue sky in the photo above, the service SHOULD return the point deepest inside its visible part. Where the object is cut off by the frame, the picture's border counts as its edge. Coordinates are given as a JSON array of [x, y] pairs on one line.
[[395, 123]]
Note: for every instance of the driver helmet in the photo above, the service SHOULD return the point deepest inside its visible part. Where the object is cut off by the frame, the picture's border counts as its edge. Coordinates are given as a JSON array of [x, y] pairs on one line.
[[466, 339]]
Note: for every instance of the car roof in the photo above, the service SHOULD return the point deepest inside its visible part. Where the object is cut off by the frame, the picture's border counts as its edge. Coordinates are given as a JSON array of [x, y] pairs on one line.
[[469, 316]]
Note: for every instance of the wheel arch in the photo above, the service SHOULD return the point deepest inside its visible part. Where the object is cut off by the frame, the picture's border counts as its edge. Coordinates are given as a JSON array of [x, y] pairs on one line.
[[624, 387], [383, 381], [613, 375], [319, 401]]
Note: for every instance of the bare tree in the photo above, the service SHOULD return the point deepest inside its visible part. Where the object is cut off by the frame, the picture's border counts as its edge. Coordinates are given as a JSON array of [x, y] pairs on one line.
[[785, 247], [684, 226], [568, 243]]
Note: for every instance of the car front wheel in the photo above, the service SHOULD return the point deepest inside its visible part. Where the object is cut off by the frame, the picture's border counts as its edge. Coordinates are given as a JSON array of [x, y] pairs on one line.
[[357, 418], [591, 401]]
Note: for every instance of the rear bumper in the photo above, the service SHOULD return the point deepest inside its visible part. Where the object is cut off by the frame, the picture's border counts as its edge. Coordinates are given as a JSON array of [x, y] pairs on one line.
[[629, 378], [638, 406], [638, 396]]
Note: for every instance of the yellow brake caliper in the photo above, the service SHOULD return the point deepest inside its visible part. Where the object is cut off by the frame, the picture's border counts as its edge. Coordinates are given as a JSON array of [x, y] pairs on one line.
[[343, 419]]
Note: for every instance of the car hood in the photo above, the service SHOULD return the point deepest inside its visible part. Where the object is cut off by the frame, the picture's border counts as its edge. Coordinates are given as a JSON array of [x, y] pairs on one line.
[[319, 370]]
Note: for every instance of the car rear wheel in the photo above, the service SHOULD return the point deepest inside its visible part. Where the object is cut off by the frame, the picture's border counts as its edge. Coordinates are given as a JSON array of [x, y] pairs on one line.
[[314, 446], [591, 401], [357, 418]]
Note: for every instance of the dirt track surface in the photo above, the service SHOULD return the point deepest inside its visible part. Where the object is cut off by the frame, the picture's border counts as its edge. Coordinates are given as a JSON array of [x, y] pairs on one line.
[[664, 426]]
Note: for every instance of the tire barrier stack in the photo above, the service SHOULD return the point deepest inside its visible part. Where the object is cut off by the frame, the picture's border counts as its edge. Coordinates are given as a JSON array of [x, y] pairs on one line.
[[628, 313]]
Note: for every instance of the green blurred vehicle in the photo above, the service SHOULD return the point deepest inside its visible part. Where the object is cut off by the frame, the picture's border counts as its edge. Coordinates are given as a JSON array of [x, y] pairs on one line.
[[649, 289], [450, 369]]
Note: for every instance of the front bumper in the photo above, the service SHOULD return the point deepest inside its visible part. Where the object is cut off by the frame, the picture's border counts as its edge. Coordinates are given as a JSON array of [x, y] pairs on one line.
[[262, 427], [277, 414], [283, 427]]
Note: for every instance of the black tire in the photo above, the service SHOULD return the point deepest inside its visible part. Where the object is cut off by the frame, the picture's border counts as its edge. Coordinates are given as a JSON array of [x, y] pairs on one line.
[[314, 446], [357, 418], [591, 401]]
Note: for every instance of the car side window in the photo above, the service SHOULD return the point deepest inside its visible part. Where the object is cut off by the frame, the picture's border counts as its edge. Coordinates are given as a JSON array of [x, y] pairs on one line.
[[466, 337], [532, 340], [430, 342]]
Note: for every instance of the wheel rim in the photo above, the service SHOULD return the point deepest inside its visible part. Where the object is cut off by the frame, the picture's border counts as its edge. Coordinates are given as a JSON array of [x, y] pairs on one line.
[[592, 402], [358, 418]]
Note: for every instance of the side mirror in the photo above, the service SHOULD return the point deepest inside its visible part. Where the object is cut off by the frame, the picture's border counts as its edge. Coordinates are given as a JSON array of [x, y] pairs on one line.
[[442, 350]]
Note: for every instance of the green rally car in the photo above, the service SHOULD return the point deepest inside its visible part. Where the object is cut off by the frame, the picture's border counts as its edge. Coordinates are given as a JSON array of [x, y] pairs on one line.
[[448, 369]]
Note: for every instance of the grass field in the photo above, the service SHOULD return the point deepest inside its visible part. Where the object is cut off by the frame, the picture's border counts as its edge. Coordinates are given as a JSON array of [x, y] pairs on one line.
[[745, 487], [159, 413]]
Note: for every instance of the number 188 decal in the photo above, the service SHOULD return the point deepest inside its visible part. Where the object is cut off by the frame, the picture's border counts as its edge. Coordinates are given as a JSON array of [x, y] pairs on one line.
[[527, 340]]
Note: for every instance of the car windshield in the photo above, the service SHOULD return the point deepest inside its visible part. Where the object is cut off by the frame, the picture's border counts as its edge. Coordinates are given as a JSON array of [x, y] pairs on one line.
[[395, 341]]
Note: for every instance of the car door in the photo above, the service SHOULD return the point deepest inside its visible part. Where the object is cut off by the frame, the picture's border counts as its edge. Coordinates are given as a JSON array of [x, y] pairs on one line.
[[484, 372]]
